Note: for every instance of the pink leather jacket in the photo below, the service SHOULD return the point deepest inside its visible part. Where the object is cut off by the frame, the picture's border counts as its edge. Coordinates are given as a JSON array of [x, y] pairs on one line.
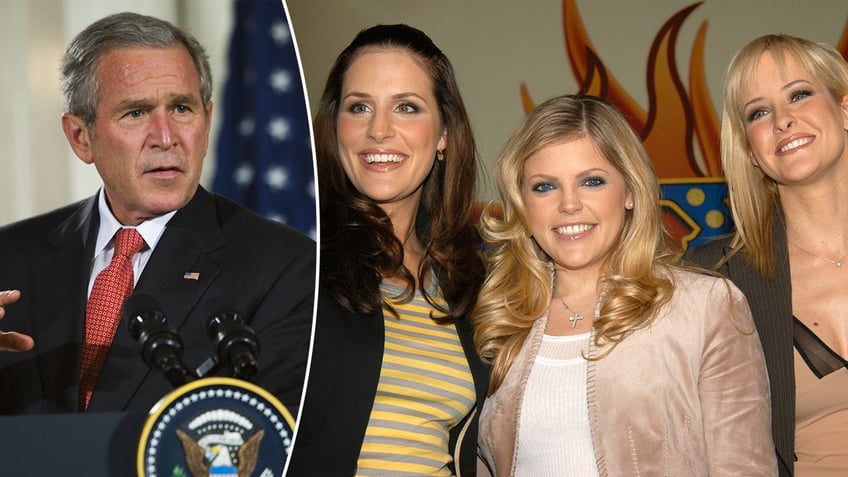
[[686, 396]]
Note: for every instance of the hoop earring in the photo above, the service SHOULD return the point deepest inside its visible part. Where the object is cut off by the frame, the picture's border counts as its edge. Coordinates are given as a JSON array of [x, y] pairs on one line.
[[440, 155]]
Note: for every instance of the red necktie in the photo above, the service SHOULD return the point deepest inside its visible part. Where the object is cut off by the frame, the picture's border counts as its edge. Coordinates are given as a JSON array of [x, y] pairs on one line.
[[103, 312]]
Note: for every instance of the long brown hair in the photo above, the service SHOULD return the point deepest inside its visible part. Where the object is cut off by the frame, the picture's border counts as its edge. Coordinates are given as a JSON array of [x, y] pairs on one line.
[[358, 245]]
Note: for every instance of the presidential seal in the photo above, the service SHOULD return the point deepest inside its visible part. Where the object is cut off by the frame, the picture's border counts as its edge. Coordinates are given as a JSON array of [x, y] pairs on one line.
[[221, 427]]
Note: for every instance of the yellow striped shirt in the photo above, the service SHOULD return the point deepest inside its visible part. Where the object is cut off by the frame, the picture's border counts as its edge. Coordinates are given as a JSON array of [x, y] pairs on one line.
[[425, 389]]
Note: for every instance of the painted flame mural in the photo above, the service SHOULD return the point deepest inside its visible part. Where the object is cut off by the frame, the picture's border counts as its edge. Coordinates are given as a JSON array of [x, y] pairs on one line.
[[679, 129]]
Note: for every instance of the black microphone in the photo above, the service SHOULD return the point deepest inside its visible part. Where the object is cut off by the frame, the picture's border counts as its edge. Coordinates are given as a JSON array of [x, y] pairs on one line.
[[235, 342], [160, 345]]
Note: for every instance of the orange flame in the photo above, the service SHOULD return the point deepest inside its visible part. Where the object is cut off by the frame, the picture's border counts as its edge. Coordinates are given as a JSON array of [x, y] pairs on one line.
[[675, 119]]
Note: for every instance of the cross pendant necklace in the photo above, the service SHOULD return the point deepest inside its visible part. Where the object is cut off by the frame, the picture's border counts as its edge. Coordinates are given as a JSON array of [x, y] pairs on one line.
[[575, 317]]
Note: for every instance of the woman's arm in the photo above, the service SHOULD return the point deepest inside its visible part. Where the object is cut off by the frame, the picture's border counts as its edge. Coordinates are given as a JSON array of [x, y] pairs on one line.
[[734, 389]]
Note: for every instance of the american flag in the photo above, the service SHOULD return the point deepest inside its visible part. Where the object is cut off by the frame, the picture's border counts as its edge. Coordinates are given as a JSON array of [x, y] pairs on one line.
[[264, 151]]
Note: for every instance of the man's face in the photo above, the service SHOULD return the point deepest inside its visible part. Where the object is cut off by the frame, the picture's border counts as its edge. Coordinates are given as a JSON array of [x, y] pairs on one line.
[[150, 133]]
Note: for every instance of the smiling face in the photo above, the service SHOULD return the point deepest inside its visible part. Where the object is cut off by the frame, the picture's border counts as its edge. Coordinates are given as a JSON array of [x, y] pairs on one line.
[[795, 128], [150, 133], [576, 202], [388, 127]]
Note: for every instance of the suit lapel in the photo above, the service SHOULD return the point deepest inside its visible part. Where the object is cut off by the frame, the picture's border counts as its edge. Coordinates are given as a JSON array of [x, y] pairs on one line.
[[62, 275], [479, 370], [189, 236], [769, 299], [345, 368], [771, 307]]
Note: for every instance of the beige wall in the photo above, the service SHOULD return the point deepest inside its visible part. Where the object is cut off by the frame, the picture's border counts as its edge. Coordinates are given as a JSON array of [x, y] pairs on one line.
[[495, 45]]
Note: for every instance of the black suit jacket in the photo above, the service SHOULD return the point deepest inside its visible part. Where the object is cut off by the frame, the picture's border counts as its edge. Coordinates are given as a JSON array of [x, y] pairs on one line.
[[346, 359], [771, 307], [265, 270]]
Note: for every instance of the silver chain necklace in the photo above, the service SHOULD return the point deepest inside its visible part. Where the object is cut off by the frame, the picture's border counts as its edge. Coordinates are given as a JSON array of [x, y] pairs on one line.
[[575, 317], [838, 263]]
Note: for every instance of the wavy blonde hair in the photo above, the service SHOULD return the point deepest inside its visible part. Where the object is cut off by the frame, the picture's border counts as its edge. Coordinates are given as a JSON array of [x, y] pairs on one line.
[[754, 196], [518, 285]]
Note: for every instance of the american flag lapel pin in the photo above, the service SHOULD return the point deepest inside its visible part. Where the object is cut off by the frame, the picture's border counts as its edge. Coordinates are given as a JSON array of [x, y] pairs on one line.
[[191, 276]]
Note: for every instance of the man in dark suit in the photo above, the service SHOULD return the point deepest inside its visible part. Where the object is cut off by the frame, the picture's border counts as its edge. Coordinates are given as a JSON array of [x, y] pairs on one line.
[[138, 107]]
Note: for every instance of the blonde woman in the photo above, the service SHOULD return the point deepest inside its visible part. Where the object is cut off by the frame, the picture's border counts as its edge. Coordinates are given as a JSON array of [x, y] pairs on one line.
[[784, 145], [607, 358]]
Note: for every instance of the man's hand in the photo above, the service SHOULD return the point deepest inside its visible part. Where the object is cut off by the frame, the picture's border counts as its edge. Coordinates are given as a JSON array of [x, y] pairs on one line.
[[11, 340]]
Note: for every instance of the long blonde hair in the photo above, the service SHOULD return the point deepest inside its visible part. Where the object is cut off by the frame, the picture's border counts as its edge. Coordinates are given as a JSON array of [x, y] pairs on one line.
[[754, 198], [518, 286]]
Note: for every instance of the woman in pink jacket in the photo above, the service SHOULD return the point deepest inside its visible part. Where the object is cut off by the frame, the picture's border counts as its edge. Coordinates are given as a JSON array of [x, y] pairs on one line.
[[607, 359]]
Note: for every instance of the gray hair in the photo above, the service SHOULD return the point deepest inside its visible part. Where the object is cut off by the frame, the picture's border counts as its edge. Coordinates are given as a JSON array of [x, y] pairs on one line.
[[121, 30]]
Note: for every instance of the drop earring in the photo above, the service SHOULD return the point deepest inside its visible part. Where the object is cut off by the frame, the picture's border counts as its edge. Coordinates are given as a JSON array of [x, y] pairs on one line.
[[440, 155]]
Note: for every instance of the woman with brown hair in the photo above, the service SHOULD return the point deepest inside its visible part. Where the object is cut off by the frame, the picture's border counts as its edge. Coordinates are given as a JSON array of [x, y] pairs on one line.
[[394, 383]]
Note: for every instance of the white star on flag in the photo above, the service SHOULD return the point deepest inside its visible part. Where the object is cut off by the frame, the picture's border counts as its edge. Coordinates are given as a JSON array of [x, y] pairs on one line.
[[281, 80], [247, 126], [243, 175], [264, 149], [277, 177], [275, 216], [279, 128], [280, 33]]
